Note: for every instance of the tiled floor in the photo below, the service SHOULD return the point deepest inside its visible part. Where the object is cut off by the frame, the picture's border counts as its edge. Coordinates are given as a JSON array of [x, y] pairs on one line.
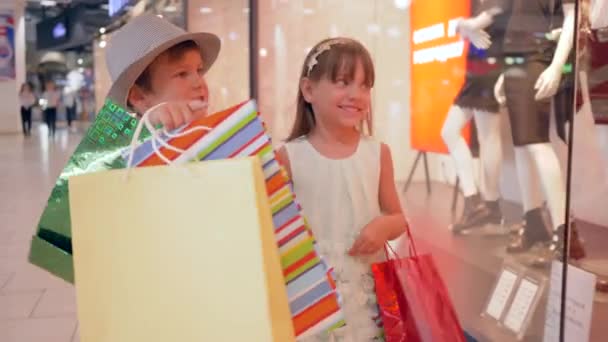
[[34, 306]]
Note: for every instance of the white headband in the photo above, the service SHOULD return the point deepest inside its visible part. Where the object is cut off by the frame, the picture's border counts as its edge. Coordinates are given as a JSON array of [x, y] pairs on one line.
[[312, 61]]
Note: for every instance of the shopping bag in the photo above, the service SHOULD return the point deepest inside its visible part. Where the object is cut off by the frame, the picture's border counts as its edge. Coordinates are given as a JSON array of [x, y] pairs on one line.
[[177, 253], [239, 132], [101, 149], [394, 316], [414, 302]]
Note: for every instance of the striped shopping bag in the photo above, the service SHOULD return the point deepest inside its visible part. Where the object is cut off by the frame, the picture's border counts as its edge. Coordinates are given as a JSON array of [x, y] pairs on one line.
[[239, 132]]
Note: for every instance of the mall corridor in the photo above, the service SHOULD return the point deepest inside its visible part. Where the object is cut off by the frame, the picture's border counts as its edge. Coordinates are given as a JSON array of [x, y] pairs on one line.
[[34, 306]]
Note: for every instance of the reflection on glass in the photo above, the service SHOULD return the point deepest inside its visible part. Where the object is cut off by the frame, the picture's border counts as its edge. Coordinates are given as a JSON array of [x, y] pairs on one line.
[[589, 171]]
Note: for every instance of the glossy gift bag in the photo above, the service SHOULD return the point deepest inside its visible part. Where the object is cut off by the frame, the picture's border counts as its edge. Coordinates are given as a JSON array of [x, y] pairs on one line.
[[177, 253], [239, 132], [101, 149], [414, 303]]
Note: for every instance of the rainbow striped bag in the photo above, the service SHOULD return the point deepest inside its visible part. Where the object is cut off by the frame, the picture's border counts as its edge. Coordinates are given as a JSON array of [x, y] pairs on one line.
[[239, 132]]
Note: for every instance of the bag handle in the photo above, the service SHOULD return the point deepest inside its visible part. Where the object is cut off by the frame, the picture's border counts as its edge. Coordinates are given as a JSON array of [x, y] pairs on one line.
[[145, 121], [410, 239], [388, 249]]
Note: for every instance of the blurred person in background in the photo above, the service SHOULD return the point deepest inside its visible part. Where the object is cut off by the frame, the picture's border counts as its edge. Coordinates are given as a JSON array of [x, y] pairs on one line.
[[69, 100], [52, 99], [27, 100]]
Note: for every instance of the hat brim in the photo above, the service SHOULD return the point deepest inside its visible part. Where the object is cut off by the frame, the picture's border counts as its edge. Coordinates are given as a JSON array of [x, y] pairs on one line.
[[209, 45]]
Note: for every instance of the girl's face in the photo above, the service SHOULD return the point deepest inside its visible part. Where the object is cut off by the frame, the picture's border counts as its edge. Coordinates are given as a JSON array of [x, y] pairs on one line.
[[343, 103]]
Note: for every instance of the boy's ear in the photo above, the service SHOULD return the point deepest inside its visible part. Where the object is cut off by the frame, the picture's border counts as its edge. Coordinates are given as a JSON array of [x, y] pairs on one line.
[[137, 99], [306, 89]]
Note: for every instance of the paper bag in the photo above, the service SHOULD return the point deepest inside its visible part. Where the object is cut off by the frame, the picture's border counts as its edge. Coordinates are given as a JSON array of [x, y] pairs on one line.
[[239, 132], [177, 253]]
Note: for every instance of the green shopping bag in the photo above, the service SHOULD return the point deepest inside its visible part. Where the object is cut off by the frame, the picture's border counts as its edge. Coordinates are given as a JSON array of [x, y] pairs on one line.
[[100, 149]]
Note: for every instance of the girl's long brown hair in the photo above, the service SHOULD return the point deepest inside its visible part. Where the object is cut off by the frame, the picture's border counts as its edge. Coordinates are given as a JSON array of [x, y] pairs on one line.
[[341, 58]]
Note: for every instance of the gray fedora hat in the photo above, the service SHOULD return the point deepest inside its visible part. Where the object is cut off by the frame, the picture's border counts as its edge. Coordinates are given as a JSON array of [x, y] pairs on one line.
[[132, 48]]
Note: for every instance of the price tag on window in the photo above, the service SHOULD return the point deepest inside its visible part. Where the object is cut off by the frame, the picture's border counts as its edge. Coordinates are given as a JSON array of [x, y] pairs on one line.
[[501, 294], [520, 309]]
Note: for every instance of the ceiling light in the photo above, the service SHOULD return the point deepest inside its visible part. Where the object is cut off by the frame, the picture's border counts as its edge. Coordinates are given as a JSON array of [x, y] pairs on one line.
[[170, 9], [102, 30], [403, 4], [80, 61], [263, 52], [48, 3], [206, 10], [102, 44]]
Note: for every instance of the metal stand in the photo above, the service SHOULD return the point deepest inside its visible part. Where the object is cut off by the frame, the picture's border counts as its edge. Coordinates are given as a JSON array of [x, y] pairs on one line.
[[426, 173], [427, 177]]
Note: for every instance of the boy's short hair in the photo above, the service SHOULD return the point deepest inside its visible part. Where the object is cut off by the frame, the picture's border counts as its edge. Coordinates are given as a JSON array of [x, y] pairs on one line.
[[176, 52]]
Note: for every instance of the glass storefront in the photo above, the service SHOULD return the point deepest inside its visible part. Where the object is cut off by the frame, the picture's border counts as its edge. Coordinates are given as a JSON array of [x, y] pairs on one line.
[[476, 100]]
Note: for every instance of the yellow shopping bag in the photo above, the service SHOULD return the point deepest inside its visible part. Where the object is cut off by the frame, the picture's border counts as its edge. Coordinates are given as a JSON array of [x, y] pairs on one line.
[[178, 253]]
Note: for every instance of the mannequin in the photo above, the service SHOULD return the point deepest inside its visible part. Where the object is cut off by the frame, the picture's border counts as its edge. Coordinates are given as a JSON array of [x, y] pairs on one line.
[[476, 215], [476, 100], [531, 78]]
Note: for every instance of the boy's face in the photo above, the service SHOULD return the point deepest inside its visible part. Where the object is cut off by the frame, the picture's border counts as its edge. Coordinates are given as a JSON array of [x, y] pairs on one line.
[[176, 80]]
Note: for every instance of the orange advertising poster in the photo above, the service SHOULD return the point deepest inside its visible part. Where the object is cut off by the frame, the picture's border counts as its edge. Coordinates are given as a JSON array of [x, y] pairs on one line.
[[438, 66]]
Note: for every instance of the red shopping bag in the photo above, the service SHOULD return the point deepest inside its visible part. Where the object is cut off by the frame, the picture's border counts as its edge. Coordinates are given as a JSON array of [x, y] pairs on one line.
[[413, 300]]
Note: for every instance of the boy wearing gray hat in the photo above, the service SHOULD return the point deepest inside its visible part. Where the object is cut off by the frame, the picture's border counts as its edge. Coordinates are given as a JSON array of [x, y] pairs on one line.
[[155, 65]]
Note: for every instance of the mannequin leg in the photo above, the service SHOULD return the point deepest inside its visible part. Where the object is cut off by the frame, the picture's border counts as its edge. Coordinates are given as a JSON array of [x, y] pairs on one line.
[[554, 188], [533, 228], [459, 150], [490, 151], [552, 182], [476, 213], [528, 177], [490, 145]]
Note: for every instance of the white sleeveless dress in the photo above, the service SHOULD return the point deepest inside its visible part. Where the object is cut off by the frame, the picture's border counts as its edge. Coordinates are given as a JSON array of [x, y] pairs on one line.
[[339, 197]]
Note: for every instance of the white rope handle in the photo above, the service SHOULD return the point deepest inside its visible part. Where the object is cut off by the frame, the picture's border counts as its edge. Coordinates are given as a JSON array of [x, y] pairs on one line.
[[156, 139]]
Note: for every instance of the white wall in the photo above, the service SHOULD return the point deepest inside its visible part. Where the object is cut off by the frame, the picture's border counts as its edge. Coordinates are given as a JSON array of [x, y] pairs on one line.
[[228, 79], [10, 121]]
